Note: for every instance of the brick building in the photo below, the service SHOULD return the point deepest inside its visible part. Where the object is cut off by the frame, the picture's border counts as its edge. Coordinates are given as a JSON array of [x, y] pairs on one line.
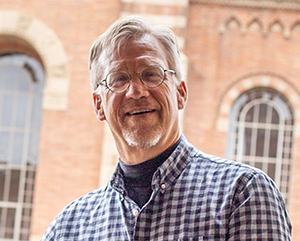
[[241, 60]]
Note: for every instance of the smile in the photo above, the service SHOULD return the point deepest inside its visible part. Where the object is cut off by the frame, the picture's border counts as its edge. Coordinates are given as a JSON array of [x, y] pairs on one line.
[[140, 112]]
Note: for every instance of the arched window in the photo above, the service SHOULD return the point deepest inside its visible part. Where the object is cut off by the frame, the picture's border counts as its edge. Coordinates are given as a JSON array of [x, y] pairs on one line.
[[261, 134], [21, 86]]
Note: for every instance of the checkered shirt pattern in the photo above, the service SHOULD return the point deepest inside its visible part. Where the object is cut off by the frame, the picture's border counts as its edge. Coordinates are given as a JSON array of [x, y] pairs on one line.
[[195, 197]]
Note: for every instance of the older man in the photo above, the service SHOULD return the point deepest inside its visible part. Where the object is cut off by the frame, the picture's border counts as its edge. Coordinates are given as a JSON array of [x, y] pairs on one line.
[[163, 188]]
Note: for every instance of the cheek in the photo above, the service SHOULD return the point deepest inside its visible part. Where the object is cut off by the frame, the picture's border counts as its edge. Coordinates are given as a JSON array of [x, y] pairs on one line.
[[169, 103], [112, 107]]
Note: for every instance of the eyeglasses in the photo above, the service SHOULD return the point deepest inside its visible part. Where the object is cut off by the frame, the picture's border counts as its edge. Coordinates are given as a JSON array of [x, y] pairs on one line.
[[152, 76]]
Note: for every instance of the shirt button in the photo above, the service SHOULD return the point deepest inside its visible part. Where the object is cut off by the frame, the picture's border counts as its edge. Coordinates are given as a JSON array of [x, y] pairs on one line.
[[163, 186], [135, 212]]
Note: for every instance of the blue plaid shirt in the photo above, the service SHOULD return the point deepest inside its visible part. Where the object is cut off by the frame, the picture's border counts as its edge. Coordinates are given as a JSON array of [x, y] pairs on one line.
[[195, 197]]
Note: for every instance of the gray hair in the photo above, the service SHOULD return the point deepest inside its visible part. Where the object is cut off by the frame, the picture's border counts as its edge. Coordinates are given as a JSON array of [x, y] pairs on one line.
[[119, 32]]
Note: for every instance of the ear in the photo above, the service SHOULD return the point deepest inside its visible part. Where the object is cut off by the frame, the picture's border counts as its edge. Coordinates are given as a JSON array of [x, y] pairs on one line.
[[181, 95], [98, 107]]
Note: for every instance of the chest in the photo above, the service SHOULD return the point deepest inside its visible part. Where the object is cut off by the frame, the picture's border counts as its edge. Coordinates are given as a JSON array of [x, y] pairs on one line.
[[172, 214]]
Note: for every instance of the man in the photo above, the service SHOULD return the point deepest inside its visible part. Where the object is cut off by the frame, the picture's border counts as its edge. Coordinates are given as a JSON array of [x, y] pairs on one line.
[[162, 188]]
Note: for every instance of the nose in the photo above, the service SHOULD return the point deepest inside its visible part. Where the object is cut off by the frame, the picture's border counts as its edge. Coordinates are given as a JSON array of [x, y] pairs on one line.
[[136, 89]]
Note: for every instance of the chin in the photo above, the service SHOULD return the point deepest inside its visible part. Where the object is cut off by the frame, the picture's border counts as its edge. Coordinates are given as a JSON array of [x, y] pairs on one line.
[[142, 141]]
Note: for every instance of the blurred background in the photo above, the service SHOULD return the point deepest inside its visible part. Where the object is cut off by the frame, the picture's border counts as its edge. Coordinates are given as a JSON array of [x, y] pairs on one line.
[[242, 67]]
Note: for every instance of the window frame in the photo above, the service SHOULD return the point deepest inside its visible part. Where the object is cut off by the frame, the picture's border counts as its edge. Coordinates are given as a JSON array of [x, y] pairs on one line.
[[237, 144]]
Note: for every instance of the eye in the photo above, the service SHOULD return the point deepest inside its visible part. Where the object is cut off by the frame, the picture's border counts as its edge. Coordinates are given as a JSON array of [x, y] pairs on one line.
[[152, 74], [116, 79]]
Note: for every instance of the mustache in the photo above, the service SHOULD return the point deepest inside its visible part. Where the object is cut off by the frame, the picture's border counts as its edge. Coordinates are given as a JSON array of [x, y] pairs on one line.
[[137, 103]]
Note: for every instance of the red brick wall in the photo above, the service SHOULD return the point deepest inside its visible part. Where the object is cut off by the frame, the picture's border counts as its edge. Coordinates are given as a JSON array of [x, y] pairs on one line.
[[71, 140], [219, 56]]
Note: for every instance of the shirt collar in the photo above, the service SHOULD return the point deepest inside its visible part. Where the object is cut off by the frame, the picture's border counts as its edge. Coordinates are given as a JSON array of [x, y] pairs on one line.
[[167, 173], [147, 167], [170, 170]]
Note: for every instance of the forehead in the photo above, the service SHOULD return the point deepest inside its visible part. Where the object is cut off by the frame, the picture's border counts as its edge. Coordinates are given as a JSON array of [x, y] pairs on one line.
[[138, 51]]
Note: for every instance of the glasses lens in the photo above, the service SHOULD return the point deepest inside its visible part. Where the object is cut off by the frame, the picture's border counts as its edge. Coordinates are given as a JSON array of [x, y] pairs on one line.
[[118, 81], [152, 76]]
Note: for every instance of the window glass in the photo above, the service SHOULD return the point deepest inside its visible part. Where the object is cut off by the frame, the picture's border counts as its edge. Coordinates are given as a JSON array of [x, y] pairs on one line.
[[21, 85], [4, 146], [18, 145], [248, 137], [7, 109], [2, 181], [262, 116], [14, 185], [273, 143], [21, 109], [275, 116]]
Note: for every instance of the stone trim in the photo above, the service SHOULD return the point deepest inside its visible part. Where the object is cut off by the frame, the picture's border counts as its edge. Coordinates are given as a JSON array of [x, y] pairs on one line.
[[245, 26], [263, 4], [49, 47]]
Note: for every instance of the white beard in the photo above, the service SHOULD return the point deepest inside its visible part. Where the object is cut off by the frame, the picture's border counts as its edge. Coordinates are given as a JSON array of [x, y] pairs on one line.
[[142, 138]]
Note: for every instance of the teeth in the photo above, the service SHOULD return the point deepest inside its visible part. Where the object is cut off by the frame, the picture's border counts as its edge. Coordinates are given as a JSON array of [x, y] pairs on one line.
[[139, 112]]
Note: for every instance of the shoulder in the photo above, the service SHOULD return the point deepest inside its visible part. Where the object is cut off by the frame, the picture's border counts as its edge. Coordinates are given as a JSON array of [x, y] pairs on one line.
[[87, 202], [245, 193], [224, 165], [211, 166], [77, 213], [214, 163], [241, 182], [225, 171]]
